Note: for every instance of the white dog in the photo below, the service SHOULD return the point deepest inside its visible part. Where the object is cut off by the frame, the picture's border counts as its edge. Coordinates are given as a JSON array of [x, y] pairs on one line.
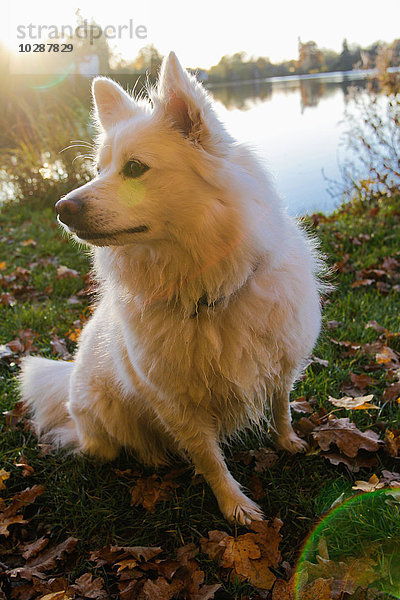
[[209, 295]]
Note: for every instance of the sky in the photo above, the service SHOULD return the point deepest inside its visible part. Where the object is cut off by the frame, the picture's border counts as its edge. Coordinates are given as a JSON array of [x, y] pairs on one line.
[[200, 33]]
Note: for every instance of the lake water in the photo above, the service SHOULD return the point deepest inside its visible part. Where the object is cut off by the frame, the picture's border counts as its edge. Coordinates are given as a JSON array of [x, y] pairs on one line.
[[296, 127]]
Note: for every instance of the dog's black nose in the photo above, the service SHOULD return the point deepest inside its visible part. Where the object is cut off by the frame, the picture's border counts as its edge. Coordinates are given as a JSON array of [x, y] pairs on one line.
[[70, 210]]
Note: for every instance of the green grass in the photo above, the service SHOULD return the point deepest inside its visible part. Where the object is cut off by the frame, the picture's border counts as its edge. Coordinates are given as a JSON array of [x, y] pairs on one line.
[[90, 501]]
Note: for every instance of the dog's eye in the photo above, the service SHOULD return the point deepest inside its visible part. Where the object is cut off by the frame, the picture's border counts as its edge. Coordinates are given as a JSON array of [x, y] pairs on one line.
[[134, 168]]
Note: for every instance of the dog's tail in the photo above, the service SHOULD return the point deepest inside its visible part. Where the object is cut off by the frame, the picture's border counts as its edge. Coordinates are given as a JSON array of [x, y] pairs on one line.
[[44, 387]]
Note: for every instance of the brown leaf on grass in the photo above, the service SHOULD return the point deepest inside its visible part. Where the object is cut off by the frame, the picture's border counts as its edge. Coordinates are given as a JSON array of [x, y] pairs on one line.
[[111, 554], [15, 415], [256, 488], [390, 479], [31, 549], [244, 456], [148, 491], [371, 485], [7, 299], [64, 272], [4, 475], [284, 590], [160, 589], [60, 347], [360, 403], [23, 344], [45, 561], [362, 283], [249, 556], [7, 521], [10, 514], [179, 576], [360, 461], [353, 571], [383, 287], [345, 435], [362, 381], [349, 348], [333, 324], [29, 242], [215, 544], [319, 589], [88, 587], [343, 265], [21, 462], [392, 392], [206, 592], [392, 442], [375, 326], [265, 458], [390, 264], [317, 361], [16, 346], [386, 355], [301, 405]]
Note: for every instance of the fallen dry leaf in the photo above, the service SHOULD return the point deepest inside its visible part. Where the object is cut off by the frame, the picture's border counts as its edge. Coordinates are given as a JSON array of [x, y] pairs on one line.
[[390, 479], [360, 403], [345, 435], [21, 462], [392, 392], [319, 589], [362, 381], [368, 486], [375, 326], [284, 590], [392, 442], [111, 554], [353, 464], [265, 458], [31, 549], [256, 487], [301, 406], [60, 347], [149, 491], [15, 415], [352, 571], [64, 272], [62, 595], [9, 515], [88, 587], [249, 556], [4, 475], [45, 561], [386, 355]]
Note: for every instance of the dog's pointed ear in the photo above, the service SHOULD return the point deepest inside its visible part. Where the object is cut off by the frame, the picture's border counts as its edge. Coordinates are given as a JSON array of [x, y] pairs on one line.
[[111, 103], [186, 103]]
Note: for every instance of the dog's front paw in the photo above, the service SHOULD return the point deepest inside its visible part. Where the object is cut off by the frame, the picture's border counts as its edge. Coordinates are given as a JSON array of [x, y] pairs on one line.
[[292, 443], [242, 510]]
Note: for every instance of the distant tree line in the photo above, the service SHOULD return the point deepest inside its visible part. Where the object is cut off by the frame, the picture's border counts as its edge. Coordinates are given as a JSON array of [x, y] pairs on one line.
[[311, 59]]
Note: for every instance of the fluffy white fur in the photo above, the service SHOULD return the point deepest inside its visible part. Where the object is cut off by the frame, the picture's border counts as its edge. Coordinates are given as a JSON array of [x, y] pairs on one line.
[[156, 370]]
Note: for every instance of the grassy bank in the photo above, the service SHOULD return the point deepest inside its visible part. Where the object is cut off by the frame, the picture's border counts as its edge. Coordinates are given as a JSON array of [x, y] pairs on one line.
[[42, 309]]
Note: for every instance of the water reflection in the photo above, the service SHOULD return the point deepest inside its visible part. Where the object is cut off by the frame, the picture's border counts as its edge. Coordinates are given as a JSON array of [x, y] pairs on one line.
[[296, 125], [243, 95]]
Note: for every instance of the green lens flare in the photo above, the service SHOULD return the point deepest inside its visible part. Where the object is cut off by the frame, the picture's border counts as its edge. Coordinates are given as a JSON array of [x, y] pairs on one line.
[[57, 80], [357, 543]]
